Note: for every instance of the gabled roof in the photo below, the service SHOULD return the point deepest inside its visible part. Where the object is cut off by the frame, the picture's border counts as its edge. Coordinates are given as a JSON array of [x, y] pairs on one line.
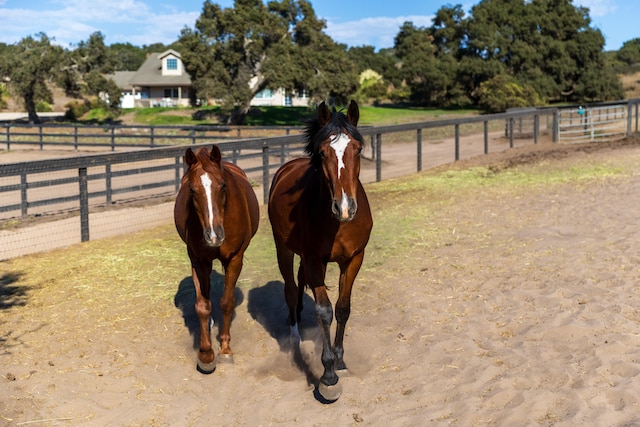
[[150, 72], [122, 78]]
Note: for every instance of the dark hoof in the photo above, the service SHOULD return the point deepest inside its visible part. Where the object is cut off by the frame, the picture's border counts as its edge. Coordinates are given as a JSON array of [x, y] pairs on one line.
[[226, 359], [330, 393], [206, 368]]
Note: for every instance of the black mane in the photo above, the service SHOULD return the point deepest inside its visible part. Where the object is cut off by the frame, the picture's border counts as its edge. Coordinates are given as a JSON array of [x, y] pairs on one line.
[[315, 134]]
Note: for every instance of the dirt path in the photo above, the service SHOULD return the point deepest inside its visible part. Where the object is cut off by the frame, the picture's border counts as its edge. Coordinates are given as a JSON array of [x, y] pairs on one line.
[[527, 314]]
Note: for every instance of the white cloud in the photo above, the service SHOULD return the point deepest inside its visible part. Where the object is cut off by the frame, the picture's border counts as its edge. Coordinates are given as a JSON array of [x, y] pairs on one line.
[[598, 8], [73, 21], [379, 32]]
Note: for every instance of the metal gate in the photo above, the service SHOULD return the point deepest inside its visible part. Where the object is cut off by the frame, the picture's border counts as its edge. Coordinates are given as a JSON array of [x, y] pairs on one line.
[[587, 124]]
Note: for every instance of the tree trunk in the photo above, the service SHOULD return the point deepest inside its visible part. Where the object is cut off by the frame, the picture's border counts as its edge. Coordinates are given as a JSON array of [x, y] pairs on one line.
[[238, 115], [31, 109]]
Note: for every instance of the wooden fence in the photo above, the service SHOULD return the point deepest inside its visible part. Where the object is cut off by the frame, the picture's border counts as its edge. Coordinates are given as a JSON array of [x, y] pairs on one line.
[[79, 184], [14, 135]]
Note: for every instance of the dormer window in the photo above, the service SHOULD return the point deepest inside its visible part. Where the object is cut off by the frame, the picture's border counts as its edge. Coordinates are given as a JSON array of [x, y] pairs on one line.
[[172, 64]]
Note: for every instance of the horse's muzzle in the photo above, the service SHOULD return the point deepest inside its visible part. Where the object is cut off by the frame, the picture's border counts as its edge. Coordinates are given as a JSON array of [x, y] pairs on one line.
[[345, 209], [214, 237]]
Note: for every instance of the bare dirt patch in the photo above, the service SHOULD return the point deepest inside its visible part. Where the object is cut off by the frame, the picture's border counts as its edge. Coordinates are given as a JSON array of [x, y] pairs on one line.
[[523, 312]]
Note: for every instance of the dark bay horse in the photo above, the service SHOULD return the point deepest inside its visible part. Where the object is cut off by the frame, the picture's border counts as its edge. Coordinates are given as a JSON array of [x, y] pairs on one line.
[[319, 210], [216, 214]]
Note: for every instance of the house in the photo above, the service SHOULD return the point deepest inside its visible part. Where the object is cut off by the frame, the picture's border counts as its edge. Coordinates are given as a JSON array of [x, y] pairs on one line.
[[162, 81], [279, 97]]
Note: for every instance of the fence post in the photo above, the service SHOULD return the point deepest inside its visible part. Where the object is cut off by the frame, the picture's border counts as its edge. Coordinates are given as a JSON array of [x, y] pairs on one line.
[[178, 174], [8, 138], [265, 172], [234, 155], [629, 118], [75, 138], [107, 170], [510, 132], [84, 204], [23, 195], [556, 126], [40, 134], [419, 149], [193, 136], [113, 138], [457, 142], [536, 128], [373, 147], [151, 141], [486, 136], [378, 157]]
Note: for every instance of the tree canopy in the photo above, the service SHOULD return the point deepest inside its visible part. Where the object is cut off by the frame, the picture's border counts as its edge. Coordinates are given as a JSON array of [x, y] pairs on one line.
[[546, 45], [541, 51], [234, 53], [28, 67]]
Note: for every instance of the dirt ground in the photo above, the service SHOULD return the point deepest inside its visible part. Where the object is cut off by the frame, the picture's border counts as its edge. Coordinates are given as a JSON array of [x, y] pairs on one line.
[[528, 315]]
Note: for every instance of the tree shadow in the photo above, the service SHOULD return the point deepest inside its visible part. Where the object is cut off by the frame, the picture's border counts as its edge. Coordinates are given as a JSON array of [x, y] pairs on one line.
[[266, 305], [12, 294], [185, 300]]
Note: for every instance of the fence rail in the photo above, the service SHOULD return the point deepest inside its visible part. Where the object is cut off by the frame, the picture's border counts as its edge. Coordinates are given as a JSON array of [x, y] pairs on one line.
[[128, 136], [81, 184]]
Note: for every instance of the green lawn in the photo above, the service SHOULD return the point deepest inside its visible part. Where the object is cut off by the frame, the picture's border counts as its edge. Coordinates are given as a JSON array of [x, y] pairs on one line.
[[285, 116]]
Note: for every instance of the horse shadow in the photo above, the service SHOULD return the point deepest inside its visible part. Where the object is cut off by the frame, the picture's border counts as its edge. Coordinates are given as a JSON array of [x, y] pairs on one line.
[[267, 306], [185, 300], [12, 293]]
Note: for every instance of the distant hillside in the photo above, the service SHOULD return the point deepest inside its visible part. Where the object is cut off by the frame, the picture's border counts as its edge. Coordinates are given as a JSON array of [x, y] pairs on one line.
[[631, 85]]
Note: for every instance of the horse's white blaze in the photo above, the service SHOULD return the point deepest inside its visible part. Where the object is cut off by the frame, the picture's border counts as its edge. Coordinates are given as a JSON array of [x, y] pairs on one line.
[[344, 205], [206, 183], [339, 144]]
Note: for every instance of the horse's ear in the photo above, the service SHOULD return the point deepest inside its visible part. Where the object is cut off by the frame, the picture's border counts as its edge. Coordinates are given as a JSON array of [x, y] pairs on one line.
[[215, 155], [324, 115], [189, 157], [353, 113]]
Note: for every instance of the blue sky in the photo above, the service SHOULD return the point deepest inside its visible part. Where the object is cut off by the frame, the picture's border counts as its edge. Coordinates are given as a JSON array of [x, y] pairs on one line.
[[353, 22]]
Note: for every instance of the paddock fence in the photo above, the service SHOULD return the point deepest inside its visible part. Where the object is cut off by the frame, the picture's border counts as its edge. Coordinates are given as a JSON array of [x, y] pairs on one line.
[[57, 202], [115, 136]]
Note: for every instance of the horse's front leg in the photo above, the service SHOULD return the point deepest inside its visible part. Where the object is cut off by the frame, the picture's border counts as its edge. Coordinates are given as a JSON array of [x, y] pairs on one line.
[[228, 304], [201, 273], [329, 388], [348, 273]]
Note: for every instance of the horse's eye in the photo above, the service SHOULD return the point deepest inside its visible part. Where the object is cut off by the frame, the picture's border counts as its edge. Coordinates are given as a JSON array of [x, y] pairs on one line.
[[223, 186]]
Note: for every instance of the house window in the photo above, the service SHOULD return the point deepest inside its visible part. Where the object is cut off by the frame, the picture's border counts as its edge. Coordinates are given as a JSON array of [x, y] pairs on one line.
[[171, 92], [172, 64], [265, 94]]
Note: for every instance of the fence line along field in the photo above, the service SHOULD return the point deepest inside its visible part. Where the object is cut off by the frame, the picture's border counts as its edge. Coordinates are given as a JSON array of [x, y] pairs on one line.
[[501, 290], [94, 183]]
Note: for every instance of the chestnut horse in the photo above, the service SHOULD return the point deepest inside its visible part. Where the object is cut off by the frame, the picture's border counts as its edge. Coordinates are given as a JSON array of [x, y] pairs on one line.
[[318, 210], [216, 214]]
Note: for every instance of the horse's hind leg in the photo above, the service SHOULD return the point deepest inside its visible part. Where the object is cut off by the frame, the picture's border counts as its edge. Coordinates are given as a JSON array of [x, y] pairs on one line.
[[285, 263], [201, 272], [348, 273]]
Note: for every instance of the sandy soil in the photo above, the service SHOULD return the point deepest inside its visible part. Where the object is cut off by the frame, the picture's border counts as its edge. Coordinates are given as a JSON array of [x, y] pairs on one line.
[[528, 315]]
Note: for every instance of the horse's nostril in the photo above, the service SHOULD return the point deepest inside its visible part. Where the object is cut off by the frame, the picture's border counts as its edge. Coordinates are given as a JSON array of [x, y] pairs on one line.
[[335, 207]]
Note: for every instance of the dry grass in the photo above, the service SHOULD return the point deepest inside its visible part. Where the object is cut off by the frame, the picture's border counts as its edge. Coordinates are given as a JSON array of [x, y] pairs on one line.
[[631, 85], [148, 266]]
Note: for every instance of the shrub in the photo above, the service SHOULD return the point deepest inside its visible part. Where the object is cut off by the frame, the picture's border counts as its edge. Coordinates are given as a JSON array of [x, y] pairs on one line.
[[76, 109]]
